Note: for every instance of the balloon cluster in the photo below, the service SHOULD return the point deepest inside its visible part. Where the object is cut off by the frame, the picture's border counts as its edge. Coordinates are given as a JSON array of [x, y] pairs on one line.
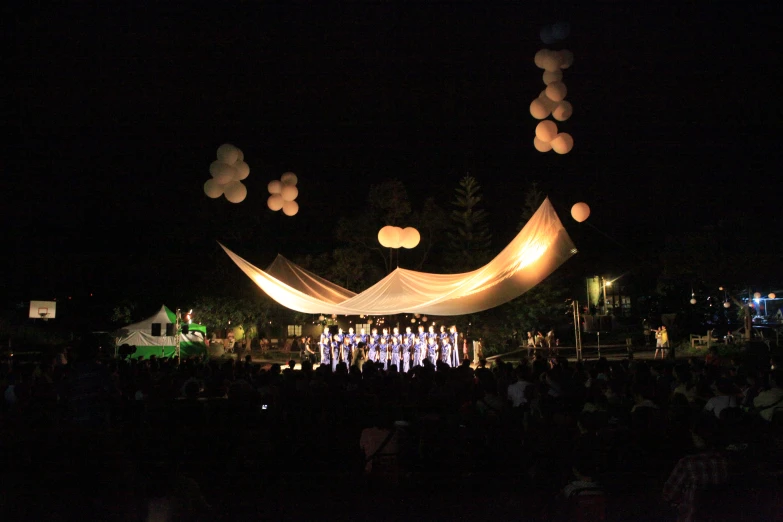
[[551, 101], [227, 172], [283, 194], [396, 237]]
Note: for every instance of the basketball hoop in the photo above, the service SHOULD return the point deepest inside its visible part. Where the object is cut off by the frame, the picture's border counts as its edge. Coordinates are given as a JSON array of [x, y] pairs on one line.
[[43, 315]]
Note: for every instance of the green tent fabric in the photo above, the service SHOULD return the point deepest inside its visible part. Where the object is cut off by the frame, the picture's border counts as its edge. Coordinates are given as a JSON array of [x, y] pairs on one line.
[[141, 336]]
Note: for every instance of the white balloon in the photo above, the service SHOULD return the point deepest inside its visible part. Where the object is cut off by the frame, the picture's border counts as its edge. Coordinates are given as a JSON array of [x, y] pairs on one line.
[[213, 189], [538, 59], [410, 237], [580, 211], [235, 192], [563, 143], [275, 202], [243, 170], [274, 187], [541, 146], [397, 238], [289, 178], [546, 130], [240, 155], [290, 208], [552, 76], [424, 318], [693, 301], [222, 172], [387, 236], [556, 91], [228, 153], [539, 109], [563, 111], [566, 59], [289, 192]]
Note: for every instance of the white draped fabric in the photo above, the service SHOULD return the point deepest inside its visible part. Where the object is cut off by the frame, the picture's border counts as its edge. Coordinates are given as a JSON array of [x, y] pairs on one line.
[[537, 251]]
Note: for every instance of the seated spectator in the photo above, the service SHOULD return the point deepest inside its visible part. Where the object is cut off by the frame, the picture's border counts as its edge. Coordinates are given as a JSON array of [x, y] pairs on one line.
[[696, 472], [516, 391], [768, 401], [725, 398]]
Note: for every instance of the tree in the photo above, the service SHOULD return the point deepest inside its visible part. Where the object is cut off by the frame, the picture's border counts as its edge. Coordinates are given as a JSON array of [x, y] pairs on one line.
[[532, 200], [219, 313], [469, 235]]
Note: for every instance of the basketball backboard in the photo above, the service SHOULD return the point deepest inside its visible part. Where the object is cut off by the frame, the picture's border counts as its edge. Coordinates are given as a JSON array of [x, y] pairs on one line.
[[43, 309]]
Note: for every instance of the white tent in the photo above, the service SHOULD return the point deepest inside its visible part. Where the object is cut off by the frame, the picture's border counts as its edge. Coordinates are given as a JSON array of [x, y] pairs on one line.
[[156, 335], [539, 248]]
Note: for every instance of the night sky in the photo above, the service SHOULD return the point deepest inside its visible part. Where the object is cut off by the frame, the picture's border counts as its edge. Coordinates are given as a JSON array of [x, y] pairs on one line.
[[113, 115]]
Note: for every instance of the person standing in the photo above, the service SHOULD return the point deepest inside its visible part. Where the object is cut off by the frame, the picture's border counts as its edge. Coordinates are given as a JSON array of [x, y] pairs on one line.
[[407, 345], [375, 344], [335, 346], [384, 352], [531, 344], [396, 346], [454, 340], [445, 350], [432, 350], [326, 346]]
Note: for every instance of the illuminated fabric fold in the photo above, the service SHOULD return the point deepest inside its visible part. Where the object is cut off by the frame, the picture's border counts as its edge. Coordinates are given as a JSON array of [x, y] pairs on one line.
[[537, 251]]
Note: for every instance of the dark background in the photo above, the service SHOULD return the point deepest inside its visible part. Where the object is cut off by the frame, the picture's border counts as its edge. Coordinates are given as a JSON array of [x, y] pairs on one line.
[[113, 114]]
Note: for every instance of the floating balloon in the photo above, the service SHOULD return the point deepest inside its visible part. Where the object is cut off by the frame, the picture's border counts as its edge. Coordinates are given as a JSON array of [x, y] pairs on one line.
[[424, 318], [243, 170], [563, 111], [274, 187], [213, 189], [289, 192], [546, 130], [566, 59], [235, 192], [727, 305], [552, 61], [547, 35], [580, 212], [410, 237], [561, 30], [541, 146], [386, 236], [290, 208], [275, 202], [222, 173], [538, 59], [228, 153], [563, 143], [539, 109], [413, 320], [289, 178], [240, 155], [397, 238], [549, 104], [552, 76], [693, 301], [556, 91], [771, 296]]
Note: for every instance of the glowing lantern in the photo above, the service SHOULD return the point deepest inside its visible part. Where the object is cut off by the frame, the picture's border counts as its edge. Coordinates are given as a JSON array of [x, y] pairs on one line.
[[213, 189], [556, 91], [757, 295], [290, 208], [580, 212], [289, 192], [563, 111], [693, 301], [222, 173], [289, 178], [541, 146], [243, 170], [275, 202], [275, 187], [726, 304], [546, 130], [539, 109], [228, 154], [563, 143], [235, 192], [552, 76], [771, 296], [388, 236], [410, 237], [551, 61], [424, 318]]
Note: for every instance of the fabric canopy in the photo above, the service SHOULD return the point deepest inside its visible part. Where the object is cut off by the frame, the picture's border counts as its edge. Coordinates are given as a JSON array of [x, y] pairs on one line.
[[537, 251]]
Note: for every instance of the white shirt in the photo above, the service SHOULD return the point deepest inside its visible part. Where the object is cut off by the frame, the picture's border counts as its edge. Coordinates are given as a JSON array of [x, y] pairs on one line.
[[516, 392], [720, 403]]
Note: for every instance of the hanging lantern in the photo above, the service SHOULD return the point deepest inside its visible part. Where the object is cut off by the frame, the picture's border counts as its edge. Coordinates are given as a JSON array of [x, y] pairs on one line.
[[726, 304], [771, 296], [693, 301]]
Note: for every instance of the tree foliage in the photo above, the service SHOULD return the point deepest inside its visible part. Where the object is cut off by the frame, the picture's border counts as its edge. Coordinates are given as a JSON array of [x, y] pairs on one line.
[[469, 235], [219, 313]]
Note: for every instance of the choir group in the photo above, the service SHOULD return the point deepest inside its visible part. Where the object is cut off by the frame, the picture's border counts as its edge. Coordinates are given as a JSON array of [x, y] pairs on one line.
[[403, 350]]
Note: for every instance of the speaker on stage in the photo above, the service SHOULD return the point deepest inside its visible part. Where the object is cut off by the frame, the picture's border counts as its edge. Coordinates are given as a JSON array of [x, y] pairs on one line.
[[170, 329], [156, 330]]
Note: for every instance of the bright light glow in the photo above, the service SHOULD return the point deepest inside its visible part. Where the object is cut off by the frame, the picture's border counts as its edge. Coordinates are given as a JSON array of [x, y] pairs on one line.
[[608, 283]]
